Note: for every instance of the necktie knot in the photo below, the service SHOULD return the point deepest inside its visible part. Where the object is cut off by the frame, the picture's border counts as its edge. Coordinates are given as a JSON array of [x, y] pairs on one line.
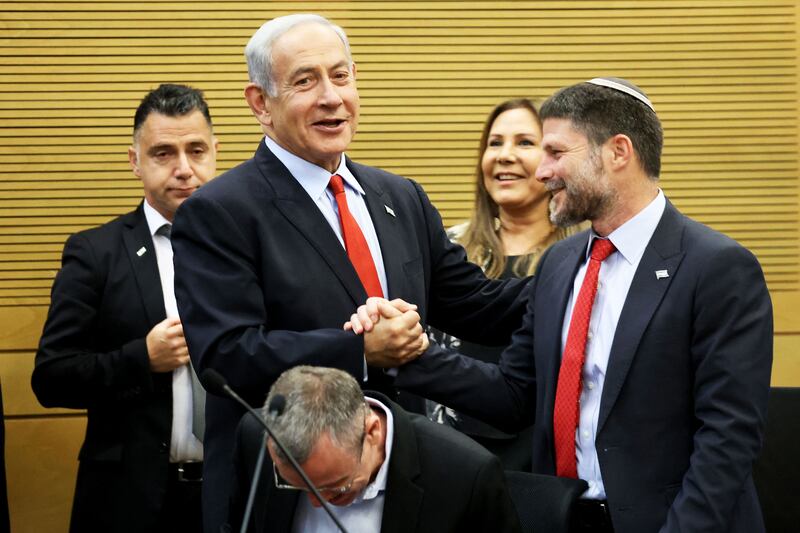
[[602, 248], [336, 185], [165, 230]]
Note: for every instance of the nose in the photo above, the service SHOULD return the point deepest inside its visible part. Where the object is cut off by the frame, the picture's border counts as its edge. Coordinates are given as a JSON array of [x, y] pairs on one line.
[[506, 153], [183, 169], [329, 96], [544, 171]]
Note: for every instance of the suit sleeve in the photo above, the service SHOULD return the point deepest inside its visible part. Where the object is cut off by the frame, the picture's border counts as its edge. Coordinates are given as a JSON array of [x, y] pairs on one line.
[[462, 301], [70, 370], [225, 318], [501, 394], [732, 355]]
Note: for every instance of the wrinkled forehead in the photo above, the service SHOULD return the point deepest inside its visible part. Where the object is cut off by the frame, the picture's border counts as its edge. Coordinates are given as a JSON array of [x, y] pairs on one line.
[[180, 129], [559, 133]]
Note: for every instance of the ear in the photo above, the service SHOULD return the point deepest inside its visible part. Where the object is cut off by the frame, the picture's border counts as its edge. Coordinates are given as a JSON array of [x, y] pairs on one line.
[[354, 70], [259, 103], [134, 161], [373, 431], [619, 151]]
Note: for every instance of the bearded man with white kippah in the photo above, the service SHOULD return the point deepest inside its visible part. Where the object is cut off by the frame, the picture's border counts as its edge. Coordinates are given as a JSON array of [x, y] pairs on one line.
[[646, 350]]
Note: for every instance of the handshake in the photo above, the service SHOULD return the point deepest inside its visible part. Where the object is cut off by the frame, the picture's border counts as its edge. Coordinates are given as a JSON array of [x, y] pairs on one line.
[[392, 333]]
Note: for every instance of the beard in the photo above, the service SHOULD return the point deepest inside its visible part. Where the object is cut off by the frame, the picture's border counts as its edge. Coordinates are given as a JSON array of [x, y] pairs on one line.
[[586, 196]]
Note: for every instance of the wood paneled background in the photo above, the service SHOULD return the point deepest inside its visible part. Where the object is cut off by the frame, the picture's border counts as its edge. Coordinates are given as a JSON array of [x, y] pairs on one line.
[[721, 73]]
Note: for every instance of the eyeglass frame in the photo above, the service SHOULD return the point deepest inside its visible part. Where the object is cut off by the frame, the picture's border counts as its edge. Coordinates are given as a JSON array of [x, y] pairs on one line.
[[336, 491]]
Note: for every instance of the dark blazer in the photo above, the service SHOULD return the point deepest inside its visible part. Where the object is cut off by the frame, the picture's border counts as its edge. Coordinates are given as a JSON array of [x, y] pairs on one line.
[[438, 480], [265, 285], [685, 394], [92, 355]]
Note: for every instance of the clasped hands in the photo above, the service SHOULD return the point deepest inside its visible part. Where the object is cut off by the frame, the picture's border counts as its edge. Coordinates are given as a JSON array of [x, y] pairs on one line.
[[392, 332]]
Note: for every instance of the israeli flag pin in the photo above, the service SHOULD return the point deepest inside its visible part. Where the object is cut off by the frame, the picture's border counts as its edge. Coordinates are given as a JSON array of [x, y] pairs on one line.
[[661, 274], [140, 252], [390, 210]]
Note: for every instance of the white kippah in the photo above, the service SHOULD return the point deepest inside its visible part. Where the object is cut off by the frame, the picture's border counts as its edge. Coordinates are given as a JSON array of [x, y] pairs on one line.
[[616, 85]]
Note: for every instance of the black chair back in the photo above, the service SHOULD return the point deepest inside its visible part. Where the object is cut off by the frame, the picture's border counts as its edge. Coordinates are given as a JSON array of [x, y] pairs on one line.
[[776, 472], [544, 503]]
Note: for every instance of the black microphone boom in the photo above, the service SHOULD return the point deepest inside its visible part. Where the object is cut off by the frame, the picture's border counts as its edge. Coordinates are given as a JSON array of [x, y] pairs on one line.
[[215, 383]]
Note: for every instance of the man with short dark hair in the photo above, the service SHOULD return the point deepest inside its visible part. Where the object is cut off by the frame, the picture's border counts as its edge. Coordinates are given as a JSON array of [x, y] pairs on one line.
[[113, 343], [646, 350], [380, 468]]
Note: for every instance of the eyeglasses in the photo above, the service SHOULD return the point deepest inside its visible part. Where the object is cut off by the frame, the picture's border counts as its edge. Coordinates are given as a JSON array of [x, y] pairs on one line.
[[334, 491], [281, 483]]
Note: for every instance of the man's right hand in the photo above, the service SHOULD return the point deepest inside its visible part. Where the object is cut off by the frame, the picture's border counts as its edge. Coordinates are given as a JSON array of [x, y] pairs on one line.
[[166, 346], [396, 338]]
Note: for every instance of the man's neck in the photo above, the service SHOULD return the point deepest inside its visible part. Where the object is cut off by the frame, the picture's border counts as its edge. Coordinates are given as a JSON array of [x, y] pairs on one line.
[[634, 195]]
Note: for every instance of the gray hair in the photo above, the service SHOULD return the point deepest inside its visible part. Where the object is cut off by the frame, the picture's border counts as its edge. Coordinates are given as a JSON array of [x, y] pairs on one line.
[[259, 49], [319, 400]]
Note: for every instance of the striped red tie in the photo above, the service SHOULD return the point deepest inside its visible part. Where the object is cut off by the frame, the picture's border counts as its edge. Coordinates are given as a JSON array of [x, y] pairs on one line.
[[354, 241], [567, 407]]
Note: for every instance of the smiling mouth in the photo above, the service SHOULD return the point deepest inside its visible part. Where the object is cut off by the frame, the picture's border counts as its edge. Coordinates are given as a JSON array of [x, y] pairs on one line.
[[507, 177], [330, 123]]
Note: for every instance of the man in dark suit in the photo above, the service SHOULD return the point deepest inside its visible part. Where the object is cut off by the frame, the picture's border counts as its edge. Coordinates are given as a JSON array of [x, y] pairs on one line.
[[380, 468], [113, 343], [655, 390], [277, 253]]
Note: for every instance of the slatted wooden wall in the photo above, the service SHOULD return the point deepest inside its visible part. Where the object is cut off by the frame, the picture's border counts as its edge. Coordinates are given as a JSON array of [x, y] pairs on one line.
[[721, 73]]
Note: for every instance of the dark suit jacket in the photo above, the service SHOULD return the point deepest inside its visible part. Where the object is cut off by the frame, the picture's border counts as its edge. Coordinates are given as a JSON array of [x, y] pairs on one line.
[[685, 394], [438, 480], [92, 355], [265, 285]]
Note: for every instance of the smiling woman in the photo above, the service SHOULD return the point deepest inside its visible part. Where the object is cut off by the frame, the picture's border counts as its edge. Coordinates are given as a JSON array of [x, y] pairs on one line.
[[509, 229]]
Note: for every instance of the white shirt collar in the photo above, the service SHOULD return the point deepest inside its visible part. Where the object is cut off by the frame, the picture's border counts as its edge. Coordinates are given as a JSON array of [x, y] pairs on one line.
[[379, 484], [312, 178], [154, 219], [631, 238]]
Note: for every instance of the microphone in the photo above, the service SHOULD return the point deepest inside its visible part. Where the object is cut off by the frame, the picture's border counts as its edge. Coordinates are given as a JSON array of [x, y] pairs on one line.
[[215, 383], [277, 405]]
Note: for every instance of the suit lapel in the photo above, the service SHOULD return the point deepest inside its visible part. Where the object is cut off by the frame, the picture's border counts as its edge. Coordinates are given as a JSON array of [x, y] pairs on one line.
[[663, 253], [403, 499], [142, 256], [300, 211], [277, 515], [384, 218], [556, 287]]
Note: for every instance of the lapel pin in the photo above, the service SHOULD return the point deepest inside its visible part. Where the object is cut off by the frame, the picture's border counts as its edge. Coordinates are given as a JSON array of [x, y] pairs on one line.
[[140, 252], [390, 210], [661, 274]]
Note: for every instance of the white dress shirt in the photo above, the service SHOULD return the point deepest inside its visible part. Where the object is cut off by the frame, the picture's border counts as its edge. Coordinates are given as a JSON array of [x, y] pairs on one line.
[[315, 181], [616, 275], [184, 446], [366, 512]]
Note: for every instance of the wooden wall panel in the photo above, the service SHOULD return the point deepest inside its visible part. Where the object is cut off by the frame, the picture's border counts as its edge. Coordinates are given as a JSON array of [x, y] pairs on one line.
[[721, 73], [41, 463]]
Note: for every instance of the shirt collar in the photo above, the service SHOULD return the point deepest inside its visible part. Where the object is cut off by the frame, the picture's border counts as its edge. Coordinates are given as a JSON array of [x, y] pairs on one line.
[[372, 490], [312, 178], [631, 238], [154, 219]]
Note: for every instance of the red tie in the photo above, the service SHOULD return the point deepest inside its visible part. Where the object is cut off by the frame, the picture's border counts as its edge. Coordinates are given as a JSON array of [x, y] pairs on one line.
[[567, 408], [354, 241]]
